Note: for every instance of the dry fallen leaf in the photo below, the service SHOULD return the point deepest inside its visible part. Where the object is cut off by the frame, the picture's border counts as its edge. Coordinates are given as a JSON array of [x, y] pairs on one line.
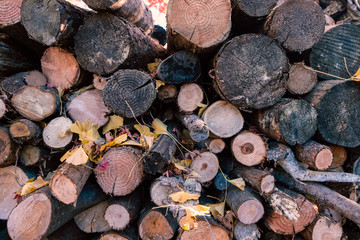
[[31, 185], [131, 143], [114, 122], [217, 209], [182, 196], [87, 131], [152, 66], [147, 136], [356, 76], [117, 141], [158, 84], [159, 127], [238, 182], [76, 156]]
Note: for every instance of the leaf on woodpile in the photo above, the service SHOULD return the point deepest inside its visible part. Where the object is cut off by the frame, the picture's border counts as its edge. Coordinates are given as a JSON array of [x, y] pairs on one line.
[[147, 137], [217, 209], [117, 141], [189, 222], [182, 196], [152, 66], [356, 76], [131, 143], [114, 122], [202, 108], [76, 156], [238, 182], [183, 165], [159, 127], [158, 84], [31, 185], [88, 131]]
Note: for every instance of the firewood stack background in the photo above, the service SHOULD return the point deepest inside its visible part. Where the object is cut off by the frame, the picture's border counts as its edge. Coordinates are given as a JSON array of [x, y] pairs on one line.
[[245, 125]]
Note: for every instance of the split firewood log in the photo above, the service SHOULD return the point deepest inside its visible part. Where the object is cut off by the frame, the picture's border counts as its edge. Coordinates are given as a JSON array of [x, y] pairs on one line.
[[92, 219]]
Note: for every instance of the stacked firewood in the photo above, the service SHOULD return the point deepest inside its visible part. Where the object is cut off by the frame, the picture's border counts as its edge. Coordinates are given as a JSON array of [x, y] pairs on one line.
[[245, 125]]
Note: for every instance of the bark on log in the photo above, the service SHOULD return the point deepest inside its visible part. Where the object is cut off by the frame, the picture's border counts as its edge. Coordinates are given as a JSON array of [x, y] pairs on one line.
[[57, 134], [88, 105], [245, 204], [60, 68], [32, 155], [338, 43], [129, 93], [92, 220], [246, 232], [290, 120], [124, 172], [248, 148], [13, 83], [346, 207], [14, 58], [40, 213], [339, 156], [35, 78], [197, 127], [35, 103], [189, 97], [297, 25], [220, 181], [337, 105], [223, 119], [49, 22], [157, 224], [194, 28], [135, 11], [129, 46], [179, 68], [9, 184], [128, 234], [283, 156], [323, 228], [7, 148], [123, 210], [314, 154], [68, 181], [257, 8], [167, 93], [24, 130], [301, 79], [260, 180], [206, 165], [250, 71], [206, 229], [70, 231]]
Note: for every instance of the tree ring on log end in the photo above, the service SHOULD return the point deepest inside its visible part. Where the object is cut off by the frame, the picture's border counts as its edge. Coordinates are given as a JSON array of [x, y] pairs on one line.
[[246, 211], [205, 230], [64, 189], [323, 159], [9, 12], [206, 165], [113, 236], [117, 216], [155, 224]]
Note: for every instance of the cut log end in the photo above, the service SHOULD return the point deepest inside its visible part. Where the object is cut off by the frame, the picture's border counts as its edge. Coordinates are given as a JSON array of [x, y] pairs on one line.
[[339, 156], [167, 93], [250, 211], [205, 230], [31, 218], [246, 232], [217, 145], [159, 193], [189, 98], [117, 216], [206, 165], [7, 153], [301, 80], [2, 108], [155, 224], [64, 189], [112, 236], [323, 159], [92, 219], [56, 134], [323, 229], [33, 154], [35, 78], [267, 184], [25, 130], [9, 12], [99, 82]]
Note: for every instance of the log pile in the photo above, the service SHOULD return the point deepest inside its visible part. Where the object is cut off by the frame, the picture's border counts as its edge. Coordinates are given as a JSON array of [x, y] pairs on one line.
[[245, 125]]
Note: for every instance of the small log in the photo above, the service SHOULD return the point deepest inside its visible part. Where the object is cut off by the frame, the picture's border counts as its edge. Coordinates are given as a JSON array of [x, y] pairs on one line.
[[129, 46], [323, 228], [220, 181], [157, 224], [35, 78], [290, 120], [99, 82], [198, 129], [49, 22], [34, 155], [56, 134], [297, 25], [7, 148], [14, 58], [128, 234], [189, 97], [10, 12], [123, 210], [246, 232], [68, 181], [223, 119], [134, 11], [187, 29], [206, 229], [24, 130], [314, 154], [339, 156], [248, 77], [60, 68], [281, 224], [301, 79], [159, 192], [179, 68], [283, 156], [124, 172], [70, 231], [3, 108], [40, 213], [329, 52], [92, 220], [206, 165], [129, 93], [248, 148], [35, 103], [88, 105], [245, 204], [260, 180], [167, 93], [332, 99], [13, 83], [324, 195], [160, 154], [256, 8], [10, 184], [159, 34], [214, 145]]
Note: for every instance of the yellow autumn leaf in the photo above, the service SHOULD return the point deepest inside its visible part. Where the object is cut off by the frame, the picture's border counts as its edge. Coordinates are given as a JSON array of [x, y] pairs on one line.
[[182, 196], [76, 156], [158, 84], [88, 131], [238, 182], [147, 137], [202, 108], [117, 141], [217, 209], [152, 66], [114, 122], [31, 185], [159, 127], [183, 165], [198, 210], [356, 76], [131, 143]]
